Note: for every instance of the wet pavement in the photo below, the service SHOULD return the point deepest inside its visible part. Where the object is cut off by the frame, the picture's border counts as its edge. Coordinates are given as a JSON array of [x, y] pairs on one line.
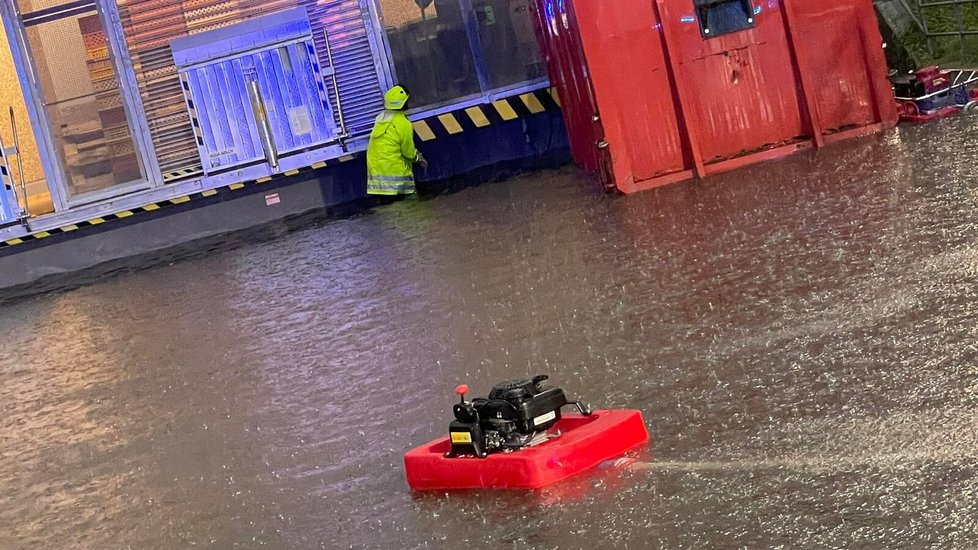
[[801, 337]]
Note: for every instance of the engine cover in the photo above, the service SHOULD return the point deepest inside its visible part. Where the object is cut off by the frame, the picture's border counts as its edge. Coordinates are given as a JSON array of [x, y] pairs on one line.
[[516, 414]]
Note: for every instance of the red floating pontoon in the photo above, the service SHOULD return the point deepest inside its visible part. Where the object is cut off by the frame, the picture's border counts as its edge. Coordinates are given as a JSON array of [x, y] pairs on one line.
[[583, 443]]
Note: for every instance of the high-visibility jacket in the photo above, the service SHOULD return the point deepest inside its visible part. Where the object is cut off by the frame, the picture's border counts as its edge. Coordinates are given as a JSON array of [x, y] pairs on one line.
[[391, 155]]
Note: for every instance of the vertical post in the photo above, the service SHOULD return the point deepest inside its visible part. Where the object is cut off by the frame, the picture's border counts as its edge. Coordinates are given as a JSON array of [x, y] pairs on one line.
[[46, 147], [923, 23], [380, 45], [870, 61], [264, 125], [129, 90], [961, 31], [797, 50], [571, 50], [336, 84], [475, 44], [8, 196], [20, 162], [687, 116]]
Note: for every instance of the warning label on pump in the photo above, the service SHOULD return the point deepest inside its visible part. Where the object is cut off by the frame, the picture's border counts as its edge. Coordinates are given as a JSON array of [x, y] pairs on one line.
[[461, 437], [544, 418]]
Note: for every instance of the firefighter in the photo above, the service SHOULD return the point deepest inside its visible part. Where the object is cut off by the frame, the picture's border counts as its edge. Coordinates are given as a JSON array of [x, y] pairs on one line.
[[391, 153]]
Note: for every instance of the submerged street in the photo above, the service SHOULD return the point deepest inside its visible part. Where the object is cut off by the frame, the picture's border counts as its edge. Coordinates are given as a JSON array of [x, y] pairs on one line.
[[801, 337]]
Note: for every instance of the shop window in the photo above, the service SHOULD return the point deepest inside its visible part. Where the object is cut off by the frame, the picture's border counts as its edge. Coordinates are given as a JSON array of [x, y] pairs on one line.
[[720, 17], [39, 199], [81, 96], [430, 49], [508, 41]]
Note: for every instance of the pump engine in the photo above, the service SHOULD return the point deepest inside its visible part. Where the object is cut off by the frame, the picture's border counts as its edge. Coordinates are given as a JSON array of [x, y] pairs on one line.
[[517, 414]]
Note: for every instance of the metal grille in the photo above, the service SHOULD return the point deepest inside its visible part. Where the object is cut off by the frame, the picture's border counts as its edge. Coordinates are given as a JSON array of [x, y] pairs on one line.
[[950, 28], [150, 25]]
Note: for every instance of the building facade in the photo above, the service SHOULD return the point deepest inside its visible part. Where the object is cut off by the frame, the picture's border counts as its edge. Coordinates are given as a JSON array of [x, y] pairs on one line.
[[118, 97]]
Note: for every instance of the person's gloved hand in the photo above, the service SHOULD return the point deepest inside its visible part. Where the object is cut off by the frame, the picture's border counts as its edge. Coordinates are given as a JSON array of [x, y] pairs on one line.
[[423, 162]]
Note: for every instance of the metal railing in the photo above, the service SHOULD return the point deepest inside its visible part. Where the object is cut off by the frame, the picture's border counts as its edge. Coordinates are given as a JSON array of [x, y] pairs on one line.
[[10, 208], [924, 12]]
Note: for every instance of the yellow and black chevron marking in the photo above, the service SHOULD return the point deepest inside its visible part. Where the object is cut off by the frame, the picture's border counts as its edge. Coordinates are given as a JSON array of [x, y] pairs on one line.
[[448, 124], [480, 116], [5, 178], [181, 174], [194, 121], [153, 207]]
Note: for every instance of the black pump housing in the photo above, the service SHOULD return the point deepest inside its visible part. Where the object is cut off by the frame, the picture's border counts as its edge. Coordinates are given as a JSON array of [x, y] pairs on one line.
[[515, 412]]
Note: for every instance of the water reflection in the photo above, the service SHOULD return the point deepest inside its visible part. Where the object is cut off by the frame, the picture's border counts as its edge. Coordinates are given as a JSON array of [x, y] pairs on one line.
[[800, 336]]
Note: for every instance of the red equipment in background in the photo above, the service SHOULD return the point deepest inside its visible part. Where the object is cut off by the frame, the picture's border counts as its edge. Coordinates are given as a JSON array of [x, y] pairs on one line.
[[658, 91], [934, 79], [932, 93]]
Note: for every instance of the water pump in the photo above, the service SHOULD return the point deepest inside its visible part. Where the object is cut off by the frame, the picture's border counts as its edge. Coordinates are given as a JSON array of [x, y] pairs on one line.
[[517, 414]]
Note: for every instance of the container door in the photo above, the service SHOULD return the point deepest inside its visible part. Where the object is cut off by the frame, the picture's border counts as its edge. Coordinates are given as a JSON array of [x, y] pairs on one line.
[[90, 118], [258, 105], [151, 25], [254, 91]]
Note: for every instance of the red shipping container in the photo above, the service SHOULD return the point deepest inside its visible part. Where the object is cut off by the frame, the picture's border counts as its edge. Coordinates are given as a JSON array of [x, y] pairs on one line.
[[657, 91]]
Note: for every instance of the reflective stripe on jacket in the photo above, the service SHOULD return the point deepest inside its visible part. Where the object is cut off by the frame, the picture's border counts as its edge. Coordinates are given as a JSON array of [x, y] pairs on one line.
[[391, 155]]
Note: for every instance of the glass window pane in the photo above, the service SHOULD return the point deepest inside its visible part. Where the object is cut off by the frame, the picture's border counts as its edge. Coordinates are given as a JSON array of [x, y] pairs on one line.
[[431, 52], [509, 40], [720, 17], [39, 199], [83, 102]]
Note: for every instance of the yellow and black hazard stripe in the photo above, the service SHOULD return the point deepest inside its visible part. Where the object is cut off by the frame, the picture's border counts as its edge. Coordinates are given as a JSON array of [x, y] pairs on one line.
[[165, 204], [429, 129], [481, 116], [181, 174], [5, 178], [448, 124], [192, 109]]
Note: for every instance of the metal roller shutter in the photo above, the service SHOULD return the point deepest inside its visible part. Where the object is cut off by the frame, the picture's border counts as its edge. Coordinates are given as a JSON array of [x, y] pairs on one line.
[[150, 25]]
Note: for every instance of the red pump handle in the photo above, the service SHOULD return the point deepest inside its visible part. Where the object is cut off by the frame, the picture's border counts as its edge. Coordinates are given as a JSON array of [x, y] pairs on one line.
[[461, 390]]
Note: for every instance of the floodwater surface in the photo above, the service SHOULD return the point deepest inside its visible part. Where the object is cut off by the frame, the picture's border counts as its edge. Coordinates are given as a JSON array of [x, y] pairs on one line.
[[801, 337]]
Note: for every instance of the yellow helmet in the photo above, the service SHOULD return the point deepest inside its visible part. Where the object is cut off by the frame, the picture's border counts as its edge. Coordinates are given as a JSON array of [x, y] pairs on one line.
[[396, 98]]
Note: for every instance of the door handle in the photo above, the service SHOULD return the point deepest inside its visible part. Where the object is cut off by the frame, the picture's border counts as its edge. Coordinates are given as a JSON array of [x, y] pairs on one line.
[[264, 124]]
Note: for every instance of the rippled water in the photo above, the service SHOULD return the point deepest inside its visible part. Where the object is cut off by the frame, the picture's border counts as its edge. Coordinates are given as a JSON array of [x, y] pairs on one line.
[[801, 337]]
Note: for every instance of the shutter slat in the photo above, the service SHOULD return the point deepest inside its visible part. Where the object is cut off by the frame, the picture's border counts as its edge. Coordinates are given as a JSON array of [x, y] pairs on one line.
[[150, 25]]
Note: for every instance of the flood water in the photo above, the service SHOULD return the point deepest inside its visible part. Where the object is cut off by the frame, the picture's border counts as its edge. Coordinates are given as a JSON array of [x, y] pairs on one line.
[[801, 337]]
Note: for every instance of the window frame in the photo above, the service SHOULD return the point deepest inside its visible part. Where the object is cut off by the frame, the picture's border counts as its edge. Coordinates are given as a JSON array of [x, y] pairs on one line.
[[488, 93]]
